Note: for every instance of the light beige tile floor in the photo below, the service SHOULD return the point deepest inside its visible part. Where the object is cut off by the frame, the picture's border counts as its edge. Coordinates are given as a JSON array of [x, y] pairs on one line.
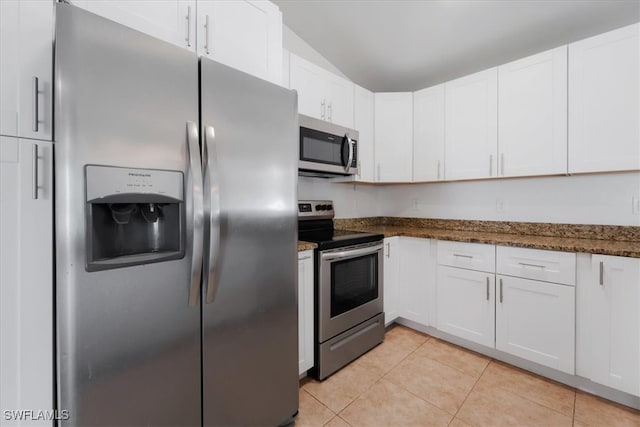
[[415, 380]]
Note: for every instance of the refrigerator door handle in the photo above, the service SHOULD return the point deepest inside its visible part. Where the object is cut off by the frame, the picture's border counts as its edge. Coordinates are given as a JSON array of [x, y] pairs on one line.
[[212, 194], [195, 210]]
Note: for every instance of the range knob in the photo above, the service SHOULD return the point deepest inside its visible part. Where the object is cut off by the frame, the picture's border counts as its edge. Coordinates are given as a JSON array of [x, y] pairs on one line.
[[330, 207], [319, 207]]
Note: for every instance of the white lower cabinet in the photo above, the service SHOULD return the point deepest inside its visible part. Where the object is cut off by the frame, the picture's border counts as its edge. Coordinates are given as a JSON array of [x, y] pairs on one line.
[[391, 267], [466, 304], [26, 276], [536, 321], [611, 322], [414, 279], [305, 311]]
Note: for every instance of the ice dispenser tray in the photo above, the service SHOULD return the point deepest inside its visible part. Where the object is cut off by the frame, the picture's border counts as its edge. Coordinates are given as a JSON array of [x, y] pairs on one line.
[[134, 216]]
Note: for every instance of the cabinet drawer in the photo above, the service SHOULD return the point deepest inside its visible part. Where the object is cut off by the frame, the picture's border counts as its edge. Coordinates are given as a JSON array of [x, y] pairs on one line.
[[548, 266], [473, 256]]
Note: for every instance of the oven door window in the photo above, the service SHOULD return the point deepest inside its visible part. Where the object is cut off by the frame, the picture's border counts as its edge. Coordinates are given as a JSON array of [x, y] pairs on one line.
[[354, 282]]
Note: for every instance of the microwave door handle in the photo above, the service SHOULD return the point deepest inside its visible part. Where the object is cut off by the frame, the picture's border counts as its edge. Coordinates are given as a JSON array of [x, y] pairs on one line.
[[350, 160], [351, 253], [195, 211], [210, 273]]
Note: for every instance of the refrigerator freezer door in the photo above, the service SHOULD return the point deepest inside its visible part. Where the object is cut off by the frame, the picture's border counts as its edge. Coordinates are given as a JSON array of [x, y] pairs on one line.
[[128, 341], [250, 325]]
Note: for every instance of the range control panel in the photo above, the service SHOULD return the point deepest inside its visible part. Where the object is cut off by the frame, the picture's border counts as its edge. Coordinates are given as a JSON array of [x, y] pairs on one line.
[[315, 209]]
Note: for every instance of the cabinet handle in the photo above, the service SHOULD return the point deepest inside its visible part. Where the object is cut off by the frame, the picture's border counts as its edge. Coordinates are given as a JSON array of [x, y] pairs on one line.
[[524, 264], [438, 170], [359, 169], [206, 34], [304, 257], [388, 250], [322, 109], [34, 114], [490, 164], [34, 171], [502, 164], [188, 18], [500, 291], [463, 256], [601, 273], [378, 171], [330, 115], [487, 289]]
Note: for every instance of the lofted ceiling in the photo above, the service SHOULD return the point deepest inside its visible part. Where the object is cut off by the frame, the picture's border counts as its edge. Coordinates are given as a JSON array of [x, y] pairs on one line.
[[404, 45]]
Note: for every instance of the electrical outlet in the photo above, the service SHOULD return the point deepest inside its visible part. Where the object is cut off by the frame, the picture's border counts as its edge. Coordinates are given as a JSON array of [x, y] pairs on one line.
[[501, 205], [635, 205]]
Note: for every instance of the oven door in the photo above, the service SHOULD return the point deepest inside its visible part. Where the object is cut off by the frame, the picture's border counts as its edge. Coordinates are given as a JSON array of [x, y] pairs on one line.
[[349, 287]]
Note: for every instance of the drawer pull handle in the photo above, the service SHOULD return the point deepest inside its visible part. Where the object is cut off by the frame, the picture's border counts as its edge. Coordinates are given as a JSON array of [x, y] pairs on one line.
[[524, 264], [463, 256]]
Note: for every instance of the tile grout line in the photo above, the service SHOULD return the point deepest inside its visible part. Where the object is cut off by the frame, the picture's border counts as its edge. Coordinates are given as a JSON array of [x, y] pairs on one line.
[[322, 403], [575, 400], [470, 391], [546, 381]]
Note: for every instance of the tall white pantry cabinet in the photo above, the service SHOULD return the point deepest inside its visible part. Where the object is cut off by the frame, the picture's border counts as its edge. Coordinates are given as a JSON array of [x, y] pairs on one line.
[[26, 207]]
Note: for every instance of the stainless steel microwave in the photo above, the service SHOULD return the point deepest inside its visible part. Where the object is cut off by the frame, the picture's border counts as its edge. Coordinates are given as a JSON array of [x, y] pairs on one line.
[[327, 149]]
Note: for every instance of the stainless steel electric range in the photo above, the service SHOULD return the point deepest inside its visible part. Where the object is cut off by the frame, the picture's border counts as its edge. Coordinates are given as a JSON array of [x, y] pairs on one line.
[[349, 317]]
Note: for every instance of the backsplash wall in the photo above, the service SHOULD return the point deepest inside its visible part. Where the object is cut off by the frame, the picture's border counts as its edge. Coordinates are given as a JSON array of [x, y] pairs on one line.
[[586, 199]]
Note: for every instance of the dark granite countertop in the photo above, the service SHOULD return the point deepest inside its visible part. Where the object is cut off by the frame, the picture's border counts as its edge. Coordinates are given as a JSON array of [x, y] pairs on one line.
[[596, 239]]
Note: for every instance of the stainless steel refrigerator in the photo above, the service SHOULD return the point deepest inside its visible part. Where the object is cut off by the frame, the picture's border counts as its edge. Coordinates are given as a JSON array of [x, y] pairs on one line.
[[175, 209]]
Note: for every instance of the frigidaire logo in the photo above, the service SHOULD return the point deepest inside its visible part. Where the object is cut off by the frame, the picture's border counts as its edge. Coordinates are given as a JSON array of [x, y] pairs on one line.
[[139, 174], [36, 415]]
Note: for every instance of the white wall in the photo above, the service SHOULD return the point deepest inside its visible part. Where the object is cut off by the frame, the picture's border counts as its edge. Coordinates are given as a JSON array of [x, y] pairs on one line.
[[586, 199], [350, 201], [294, 44]]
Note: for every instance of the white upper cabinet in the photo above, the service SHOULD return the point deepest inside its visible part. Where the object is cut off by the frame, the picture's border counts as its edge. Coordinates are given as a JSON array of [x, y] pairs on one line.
[[604, 98], [428, 134], [363, 122], [26, 50], [471, 126], [243, 34], [173, 21], [321, 94], [532, 115], [393, 136]]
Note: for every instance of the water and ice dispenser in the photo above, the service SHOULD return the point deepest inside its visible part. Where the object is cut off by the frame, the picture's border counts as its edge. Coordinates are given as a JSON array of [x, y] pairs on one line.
[[134, 216]]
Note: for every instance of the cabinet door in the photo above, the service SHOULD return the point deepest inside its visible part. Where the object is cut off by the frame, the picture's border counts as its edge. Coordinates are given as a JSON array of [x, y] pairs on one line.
[[466, 304], [532, 130], [604, 110], [414, 279], [363, 123], [26, 275], [310, 82], [614, 316], [305, 311], [339, 100], [390, 285], [173, 21], [243, 34], [536, 321], [471, 126], [393, 136], [26, 51], [428, 134]]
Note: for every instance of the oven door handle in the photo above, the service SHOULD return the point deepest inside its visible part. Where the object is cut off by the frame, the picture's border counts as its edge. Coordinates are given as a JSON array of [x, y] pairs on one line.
[[351, 253]]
